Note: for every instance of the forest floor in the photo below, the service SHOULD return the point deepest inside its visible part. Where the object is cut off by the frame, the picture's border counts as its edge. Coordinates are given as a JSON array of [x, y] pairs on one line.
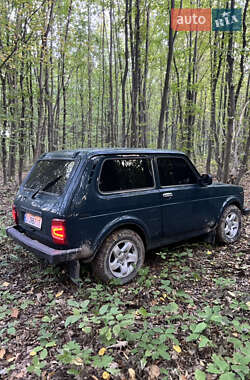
[[186, 316]]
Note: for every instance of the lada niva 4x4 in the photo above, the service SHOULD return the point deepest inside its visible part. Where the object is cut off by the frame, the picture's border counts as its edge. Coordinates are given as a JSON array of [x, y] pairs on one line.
[[109, 206]]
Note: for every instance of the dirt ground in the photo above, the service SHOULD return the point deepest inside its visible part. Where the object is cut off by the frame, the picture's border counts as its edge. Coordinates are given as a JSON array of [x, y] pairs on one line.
[[47, 332]]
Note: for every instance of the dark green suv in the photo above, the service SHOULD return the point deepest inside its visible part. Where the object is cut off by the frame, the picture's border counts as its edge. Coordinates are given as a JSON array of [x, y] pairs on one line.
[[109, 206]]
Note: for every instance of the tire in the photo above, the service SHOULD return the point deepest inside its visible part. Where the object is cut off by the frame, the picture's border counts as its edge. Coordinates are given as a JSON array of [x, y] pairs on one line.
[[229, 228], [120, 257]]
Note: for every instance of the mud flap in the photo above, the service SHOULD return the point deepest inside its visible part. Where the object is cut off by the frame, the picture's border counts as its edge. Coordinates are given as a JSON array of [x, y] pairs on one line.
[[210, 237], [74, 271]]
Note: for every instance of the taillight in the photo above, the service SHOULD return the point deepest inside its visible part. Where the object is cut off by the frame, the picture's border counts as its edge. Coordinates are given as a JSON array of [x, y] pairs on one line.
[[14, 214], [58, 231]]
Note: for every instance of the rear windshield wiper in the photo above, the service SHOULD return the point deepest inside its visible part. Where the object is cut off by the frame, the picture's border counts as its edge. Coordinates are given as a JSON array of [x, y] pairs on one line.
[[45, 187]]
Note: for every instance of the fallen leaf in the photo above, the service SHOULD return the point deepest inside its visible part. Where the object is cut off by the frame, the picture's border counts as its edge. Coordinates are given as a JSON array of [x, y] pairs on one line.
[[209, 252], [2, 353], [106, 375], [32, 353], [120, 344], [153, 372], [131, 374], [114, 365], [14, 313], [77, 361], [102, 351], [10, 358], [248, 305], [177, 349], [19, 375], [50, 375], [94, 377], [59, 294], [5, 284], [182, 377]]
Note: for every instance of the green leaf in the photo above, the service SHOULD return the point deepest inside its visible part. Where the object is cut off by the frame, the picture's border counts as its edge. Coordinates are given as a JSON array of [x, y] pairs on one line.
[[109, 334], [172, 307], [38, 348], [73, 303], [103, 309], [241, 369], [221, 363], [102, 361], [87, 329], [11, 331], [72, 319], [84, 305], [116, 330], [192, 337], [219, 366], [227, 376], [213, 369], [236, 342], [43, 354], [46, 318], [200, 327], [163, 353], [51, 344], [143, 312], [204, 341], [200, 375]]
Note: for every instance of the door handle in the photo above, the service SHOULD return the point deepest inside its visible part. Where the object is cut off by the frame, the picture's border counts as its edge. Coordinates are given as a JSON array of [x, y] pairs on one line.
[[167, 195]]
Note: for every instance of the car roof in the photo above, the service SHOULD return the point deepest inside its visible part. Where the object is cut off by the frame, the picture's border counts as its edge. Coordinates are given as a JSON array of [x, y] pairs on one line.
[[69, 154]]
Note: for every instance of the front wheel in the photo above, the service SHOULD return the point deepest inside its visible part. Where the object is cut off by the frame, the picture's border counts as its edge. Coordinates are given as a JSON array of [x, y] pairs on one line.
[[120, 257], [229, 227]]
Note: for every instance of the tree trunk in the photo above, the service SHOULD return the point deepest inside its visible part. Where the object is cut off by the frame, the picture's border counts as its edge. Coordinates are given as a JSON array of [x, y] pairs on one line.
[[124, 78], [22, 123], [231, 103], [111, 101], [41, 109], [89, 81], [166, 83], [3, 134], [12, 81]]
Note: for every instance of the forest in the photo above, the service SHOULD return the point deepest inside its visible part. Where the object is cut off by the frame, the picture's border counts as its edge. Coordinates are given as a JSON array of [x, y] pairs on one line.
[[106, 73], [77, 73]]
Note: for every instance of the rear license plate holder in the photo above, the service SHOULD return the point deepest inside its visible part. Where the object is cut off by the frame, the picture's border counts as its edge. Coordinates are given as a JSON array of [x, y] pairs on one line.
[[33, 220]]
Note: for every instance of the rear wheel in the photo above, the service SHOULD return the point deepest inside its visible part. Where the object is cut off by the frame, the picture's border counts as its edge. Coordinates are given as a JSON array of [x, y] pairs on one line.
[[120, 257], [229, 227]]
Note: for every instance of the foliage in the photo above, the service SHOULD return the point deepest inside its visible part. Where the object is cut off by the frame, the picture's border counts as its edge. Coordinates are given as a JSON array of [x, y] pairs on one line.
[[187, 312]]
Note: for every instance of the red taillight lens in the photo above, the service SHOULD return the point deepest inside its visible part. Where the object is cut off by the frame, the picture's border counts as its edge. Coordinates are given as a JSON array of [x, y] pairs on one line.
[[14, 214], [58, 231]]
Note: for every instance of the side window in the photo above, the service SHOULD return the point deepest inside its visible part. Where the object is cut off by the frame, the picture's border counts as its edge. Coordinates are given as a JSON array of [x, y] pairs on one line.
[[175, 171], [126, 174]]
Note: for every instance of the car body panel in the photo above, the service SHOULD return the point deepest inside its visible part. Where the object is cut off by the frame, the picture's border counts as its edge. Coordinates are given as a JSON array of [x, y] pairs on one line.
[[91, 215]]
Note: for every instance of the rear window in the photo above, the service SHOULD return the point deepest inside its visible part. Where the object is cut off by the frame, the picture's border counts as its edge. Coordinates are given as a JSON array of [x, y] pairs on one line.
[[50, 175], [126, 174]]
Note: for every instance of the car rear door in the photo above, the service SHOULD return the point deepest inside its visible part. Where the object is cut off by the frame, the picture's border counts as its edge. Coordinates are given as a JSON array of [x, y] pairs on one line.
[[40, 198]]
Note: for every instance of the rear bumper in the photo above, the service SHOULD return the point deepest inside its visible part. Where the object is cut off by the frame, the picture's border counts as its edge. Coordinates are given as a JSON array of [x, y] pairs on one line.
[[52, 256], [246, 211]]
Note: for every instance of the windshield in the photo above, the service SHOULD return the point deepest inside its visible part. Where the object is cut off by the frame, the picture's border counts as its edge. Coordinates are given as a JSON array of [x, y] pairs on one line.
[[50, 176]]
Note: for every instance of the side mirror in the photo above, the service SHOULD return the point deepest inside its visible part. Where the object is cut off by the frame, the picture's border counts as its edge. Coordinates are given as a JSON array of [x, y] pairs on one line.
[[205, 180]]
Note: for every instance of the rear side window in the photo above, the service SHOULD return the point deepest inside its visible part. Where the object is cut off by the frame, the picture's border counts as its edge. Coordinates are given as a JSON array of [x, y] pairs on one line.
[[175, 171], [50, 175], [126, 174]]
